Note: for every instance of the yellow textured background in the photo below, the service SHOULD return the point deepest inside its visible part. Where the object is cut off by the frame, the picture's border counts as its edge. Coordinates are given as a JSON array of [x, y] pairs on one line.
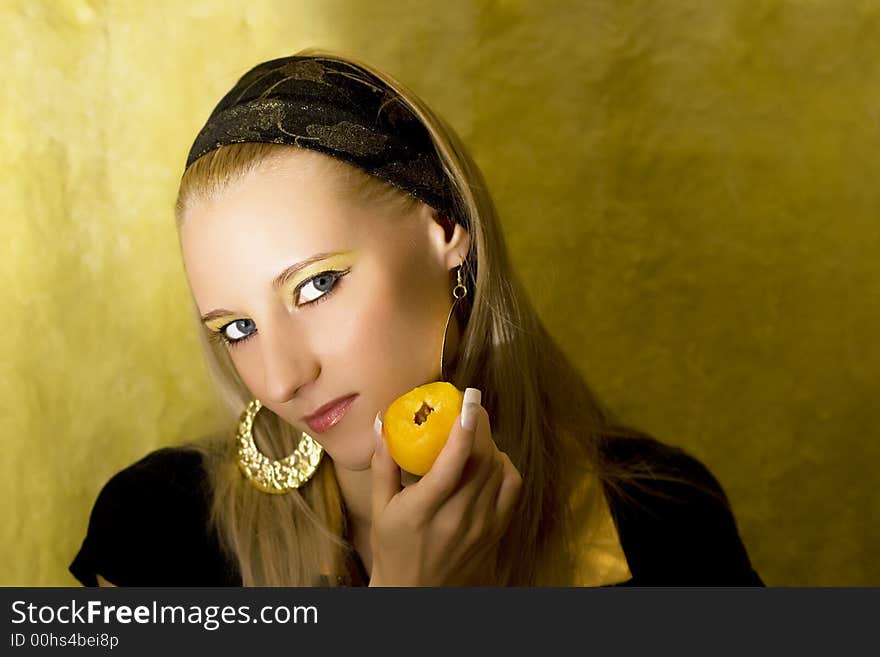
[[690, 190]]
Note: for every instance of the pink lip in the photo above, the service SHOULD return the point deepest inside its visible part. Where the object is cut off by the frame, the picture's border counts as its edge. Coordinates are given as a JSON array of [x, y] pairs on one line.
[[329, 414]]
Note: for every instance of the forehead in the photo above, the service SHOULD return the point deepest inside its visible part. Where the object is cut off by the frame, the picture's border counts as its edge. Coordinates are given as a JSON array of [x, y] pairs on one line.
[[280, 213]]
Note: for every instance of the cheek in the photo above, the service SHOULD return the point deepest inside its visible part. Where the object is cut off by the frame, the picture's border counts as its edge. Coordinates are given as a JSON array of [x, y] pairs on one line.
[[248, 365], [391, 336]]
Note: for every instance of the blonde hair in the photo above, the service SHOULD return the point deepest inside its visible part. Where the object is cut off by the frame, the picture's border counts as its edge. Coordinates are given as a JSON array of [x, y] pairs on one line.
[[544, 415]]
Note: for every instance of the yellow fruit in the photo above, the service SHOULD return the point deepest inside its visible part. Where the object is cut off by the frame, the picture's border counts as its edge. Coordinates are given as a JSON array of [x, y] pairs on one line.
[[417, 424]]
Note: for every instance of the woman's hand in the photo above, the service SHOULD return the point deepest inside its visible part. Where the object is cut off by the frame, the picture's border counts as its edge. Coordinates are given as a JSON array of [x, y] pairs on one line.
[[444, 530]]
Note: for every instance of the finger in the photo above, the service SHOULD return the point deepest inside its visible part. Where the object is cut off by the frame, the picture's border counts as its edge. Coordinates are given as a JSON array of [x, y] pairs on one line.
[[480, 463], [385, 477], [482, 504], [508, 494], [446, 472]]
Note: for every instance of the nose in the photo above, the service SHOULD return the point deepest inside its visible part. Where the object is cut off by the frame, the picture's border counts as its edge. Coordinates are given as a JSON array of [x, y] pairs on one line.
[[289, 363]]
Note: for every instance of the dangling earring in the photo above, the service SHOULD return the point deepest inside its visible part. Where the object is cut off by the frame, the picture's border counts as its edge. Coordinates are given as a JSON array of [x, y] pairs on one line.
[[268, 475], [458, 292]]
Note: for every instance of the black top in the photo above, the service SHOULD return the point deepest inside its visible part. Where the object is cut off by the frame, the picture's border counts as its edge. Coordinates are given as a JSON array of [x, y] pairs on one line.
[[148, 525]]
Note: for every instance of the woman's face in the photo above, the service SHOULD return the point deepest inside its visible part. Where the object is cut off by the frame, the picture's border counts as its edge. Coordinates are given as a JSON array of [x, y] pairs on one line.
[[371, 326]]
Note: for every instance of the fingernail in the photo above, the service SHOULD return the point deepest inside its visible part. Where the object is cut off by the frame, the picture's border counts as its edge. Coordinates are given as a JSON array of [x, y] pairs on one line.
[[472, 396], [377, 427], [470, 407]]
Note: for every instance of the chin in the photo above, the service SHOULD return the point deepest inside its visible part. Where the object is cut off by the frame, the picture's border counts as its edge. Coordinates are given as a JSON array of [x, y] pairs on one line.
[[352, 465], [350, 459]]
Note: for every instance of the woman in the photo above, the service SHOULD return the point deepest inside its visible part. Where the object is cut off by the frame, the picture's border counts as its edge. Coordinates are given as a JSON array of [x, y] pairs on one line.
[[341, 249]]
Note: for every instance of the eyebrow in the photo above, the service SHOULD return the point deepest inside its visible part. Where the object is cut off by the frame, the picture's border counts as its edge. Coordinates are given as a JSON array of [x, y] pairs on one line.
[[280, 281]]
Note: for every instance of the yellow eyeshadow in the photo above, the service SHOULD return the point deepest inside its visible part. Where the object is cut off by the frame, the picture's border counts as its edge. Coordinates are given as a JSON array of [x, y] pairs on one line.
[[339, 261], [216, 324]]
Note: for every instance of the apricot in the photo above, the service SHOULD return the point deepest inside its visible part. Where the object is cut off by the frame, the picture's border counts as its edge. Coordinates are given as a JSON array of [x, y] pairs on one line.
[[417, 424]]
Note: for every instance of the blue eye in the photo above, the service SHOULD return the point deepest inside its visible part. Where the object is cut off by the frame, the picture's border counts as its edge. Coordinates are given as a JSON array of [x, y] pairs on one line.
[[323, 284], [244, 327]]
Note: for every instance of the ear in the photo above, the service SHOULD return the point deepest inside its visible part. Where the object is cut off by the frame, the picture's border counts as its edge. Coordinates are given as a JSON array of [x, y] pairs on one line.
[[449, 240]]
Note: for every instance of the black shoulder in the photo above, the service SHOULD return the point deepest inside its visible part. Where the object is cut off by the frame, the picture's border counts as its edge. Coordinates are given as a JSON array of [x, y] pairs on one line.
[[149, 526], [675, 522]]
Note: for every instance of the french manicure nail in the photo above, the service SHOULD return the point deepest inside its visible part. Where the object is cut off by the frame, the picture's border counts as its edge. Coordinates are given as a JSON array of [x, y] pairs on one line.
[[472, 396], [470, 407], [469, 416], [377, 426]]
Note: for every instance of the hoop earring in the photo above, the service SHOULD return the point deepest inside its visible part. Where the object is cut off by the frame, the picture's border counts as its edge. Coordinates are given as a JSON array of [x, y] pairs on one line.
[[458, 292], [268, 475]]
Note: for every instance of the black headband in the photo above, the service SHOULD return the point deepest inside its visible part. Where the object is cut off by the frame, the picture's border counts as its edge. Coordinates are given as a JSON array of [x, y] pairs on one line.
[[335, 108]]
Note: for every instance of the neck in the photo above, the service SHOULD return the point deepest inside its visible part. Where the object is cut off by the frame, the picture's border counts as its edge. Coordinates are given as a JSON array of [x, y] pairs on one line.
[[356, 489], [355, 486]]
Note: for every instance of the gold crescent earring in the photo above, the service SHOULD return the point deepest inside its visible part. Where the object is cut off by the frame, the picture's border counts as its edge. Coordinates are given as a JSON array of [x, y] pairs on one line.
[[458, 292], [269, 475]]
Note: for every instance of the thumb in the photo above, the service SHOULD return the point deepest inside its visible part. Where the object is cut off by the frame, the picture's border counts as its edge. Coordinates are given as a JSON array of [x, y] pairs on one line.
[[385, 472]]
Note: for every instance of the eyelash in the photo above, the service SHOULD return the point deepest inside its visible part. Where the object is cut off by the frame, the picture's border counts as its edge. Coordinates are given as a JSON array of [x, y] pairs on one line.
[[220, 334]]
